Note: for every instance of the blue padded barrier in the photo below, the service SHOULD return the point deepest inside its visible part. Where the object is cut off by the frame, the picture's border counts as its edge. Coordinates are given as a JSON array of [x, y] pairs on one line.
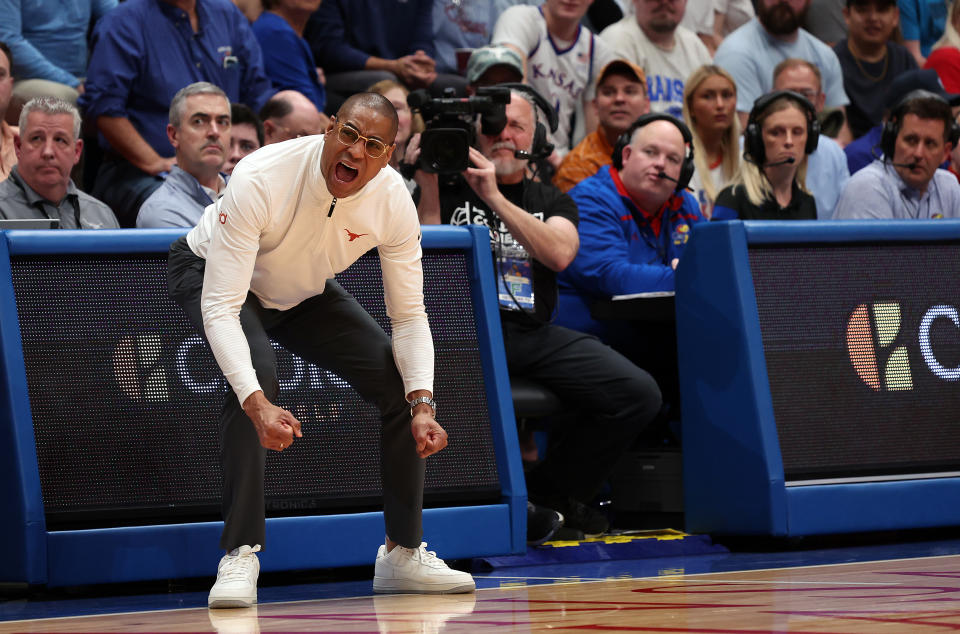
[[819, 373], [113, 550]]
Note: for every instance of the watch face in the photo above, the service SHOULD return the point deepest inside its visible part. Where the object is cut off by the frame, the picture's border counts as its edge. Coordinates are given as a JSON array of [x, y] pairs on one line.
[[423, 399]]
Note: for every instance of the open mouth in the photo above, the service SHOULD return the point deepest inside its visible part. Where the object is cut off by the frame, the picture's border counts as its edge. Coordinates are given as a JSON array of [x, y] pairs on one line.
[[345, 173]]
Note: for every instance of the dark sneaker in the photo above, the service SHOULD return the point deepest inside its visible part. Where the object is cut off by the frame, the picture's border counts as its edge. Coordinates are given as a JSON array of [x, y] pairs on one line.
[[542, 524], [579, 516]]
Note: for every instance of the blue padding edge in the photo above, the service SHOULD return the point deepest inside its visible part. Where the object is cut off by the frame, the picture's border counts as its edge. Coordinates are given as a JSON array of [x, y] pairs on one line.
[[100, 241], [139, 553], [152, 240], [444, 237], [23, 528], [873, 506], [493, 359], [732, 467], [833, 231]]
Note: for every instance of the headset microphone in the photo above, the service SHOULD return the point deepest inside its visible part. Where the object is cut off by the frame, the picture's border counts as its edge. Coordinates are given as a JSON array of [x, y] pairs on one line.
[[662, 174], [787, 161], [909, 166], [540, 150]]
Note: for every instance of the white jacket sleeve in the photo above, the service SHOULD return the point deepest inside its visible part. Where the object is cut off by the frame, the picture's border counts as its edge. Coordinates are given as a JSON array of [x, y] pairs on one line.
[[400, 261], [231, 255]]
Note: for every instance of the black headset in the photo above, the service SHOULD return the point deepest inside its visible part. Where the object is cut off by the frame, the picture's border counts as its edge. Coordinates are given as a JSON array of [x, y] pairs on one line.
[[686, 169], [753, 149], [542, 148], [891, 127]]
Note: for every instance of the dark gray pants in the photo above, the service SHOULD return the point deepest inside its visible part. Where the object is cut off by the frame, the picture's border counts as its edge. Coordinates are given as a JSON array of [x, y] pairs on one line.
[[334, 332], [616, 399]]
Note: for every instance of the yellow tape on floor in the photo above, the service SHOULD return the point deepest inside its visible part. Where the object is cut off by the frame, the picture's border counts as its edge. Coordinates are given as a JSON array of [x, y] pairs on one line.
[[624, 538]]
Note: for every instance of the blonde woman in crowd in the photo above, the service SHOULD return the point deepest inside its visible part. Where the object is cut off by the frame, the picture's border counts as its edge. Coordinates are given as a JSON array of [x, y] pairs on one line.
[[710, 109], [782, 130]]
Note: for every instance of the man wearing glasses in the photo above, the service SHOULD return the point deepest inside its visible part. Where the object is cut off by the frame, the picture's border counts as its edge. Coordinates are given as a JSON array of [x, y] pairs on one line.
[[261, 263]]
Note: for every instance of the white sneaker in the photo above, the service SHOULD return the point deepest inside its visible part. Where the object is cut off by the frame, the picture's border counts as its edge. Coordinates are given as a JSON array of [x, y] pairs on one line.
[[236, 585], [417, 570]]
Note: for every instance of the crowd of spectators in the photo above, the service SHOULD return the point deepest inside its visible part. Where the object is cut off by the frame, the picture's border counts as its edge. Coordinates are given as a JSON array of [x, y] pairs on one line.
[[637, 119]]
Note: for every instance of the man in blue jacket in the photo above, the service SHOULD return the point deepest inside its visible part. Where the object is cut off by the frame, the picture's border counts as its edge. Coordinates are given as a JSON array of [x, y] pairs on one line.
[[635, 220]]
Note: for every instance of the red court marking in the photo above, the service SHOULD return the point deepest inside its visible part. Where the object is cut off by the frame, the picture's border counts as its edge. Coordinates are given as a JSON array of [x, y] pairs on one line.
[[699, 630], [807, 588], [852, 616]]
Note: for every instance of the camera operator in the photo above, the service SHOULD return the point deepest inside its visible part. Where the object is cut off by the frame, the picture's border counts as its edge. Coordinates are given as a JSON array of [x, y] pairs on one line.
[[533, 232]]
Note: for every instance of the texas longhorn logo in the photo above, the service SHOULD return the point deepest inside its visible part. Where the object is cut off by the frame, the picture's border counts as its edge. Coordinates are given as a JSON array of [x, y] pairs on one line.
[[354, 236]]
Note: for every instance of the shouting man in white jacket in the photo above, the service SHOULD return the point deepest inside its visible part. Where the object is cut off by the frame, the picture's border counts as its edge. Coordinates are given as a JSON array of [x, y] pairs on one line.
[[261, 262]]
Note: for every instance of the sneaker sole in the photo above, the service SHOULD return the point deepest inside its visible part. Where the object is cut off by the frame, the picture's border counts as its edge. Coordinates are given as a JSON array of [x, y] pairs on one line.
[[400, 586], [230, 602]]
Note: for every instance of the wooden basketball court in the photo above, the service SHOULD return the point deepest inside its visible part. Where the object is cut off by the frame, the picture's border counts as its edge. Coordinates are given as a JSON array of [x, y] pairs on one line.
[[902, 595]]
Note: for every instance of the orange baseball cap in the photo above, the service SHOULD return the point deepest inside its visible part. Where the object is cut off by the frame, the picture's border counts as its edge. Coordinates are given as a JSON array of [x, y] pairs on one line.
[[622, 67]]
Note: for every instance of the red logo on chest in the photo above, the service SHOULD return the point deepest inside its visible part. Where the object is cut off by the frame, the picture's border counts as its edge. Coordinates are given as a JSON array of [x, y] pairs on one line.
[[353, 236], [223, 217]]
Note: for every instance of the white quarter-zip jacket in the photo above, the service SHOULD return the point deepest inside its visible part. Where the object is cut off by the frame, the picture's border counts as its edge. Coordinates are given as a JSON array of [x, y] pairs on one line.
[[278, 232]]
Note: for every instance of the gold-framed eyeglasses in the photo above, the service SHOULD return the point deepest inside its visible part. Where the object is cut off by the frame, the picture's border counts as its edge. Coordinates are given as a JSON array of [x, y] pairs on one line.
[[348, 135]]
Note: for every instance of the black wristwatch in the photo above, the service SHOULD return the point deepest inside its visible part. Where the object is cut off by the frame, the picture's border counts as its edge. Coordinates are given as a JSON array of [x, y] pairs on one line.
[[424, 399]]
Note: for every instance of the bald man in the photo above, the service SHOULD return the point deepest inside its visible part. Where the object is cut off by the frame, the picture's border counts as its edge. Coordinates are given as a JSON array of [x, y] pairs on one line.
[[290, 115], [245, 262]]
